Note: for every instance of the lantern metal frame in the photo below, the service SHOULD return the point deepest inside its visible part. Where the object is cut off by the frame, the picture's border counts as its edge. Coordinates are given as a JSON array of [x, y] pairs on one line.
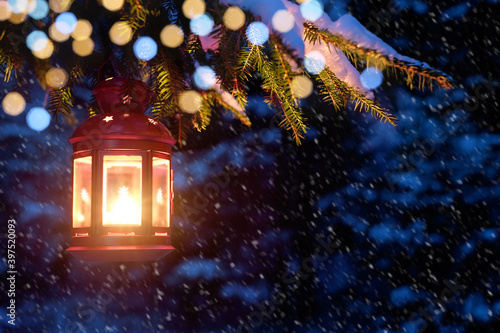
[[122, 129]]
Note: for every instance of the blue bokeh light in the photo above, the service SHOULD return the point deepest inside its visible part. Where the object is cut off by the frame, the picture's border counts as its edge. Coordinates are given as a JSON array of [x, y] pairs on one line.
[[36, 40], [204, 77], [371, 78], [66, 22], [38, 119], [202, 25], [145, 48], [18, 6], [41, 10], [257, 33], [314, 62], [311, 10]]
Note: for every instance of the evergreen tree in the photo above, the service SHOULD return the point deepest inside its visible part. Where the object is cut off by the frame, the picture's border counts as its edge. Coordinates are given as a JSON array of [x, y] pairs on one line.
[[282, 45]]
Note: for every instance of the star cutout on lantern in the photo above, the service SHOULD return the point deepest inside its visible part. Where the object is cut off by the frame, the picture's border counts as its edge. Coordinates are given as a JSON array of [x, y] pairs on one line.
[[108, 118], [127, 99]]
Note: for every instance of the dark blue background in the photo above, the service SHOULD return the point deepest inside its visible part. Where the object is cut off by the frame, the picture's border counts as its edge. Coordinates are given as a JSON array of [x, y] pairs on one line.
[[363, 228]]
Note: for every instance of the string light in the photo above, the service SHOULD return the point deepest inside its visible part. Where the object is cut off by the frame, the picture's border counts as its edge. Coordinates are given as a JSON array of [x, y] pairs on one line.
[[5, 11], [311, 10], [18, 6], [190, 101], [46, 52], [193, 8], [56, 77], [113, 5], [145, 48], [121, 33], [83, 47], [66, 22], [283, 21], [83, 30], [40, 9], [59, 6], [56, 35], [257, 33], [371, 78], [234, 18], [314, 62], [202, 25], [302, 86], [38, 119], [36, 40], [13, 103], [204, 77], [17, 18], [172, 36]]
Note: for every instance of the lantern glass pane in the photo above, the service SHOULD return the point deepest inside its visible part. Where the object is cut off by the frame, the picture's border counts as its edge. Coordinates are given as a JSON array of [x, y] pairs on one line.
[[161, 192], [122, 190], [82, 192]]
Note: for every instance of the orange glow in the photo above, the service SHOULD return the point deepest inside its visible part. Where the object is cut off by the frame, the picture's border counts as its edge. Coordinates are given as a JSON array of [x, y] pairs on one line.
[[122, 190]]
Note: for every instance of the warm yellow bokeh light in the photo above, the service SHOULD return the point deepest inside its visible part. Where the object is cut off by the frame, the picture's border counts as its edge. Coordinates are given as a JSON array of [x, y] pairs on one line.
[[56, 34], [83, 30], [190, 101], [121, 33], [113, 5], [302, 86], [84, 47], [46, 52], [13, 104], [302, 1], [172, 36], [234, 18], [17, 18], [193, 8], [56, 77], [5, 12], [59, 6]]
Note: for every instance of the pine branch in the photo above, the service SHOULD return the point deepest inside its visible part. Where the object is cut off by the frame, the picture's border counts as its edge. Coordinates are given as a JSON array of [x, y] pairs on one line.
[[292, 116], [137, 16], [202, 117], [219, 101], [362, 103], [283, 68], [359, 55]]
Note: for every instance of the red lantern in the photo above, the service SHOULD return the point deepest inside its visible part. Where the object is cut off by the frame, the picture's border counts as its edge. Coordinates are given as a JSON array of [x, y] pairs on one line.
[[122, 178]]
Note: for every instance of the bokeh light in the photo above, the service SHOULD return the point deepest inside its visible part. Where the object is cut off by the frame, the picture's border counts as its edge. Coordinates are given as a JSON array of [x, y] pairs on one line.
[[113, 5], [204, 77], [36, 40], [193, 8], [83, 47], [83, 30], [257, 33], [190, 101], [59, 6], [371, 78], [40, 10], [121, 33], [283, 21], [18, 6], [5, 11], [17, 18], [234, 18], [56, 34], [46, 52], [66, 22], [311, 10], [38, 119], [314, 62], [145, 48], [56, 77], [302, 86], [202, 25], [13, 103], [172, 36]]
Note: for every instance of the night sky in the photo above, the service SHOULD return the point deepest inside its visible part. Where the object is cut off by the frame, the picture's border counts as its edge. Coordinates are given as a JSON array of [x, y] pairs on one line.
[[365, 227]]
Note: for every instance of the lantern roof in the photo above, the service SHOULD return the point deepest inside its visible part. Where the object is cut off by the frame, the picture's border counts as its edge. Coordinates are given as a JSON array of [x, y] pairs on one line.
[[123, 103]]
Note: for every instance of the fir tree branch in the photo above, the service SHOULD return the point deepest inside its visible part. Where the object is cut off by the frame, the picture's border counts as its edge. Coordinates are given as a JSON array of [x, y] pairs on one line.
[[362, 103], [426, 76]]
